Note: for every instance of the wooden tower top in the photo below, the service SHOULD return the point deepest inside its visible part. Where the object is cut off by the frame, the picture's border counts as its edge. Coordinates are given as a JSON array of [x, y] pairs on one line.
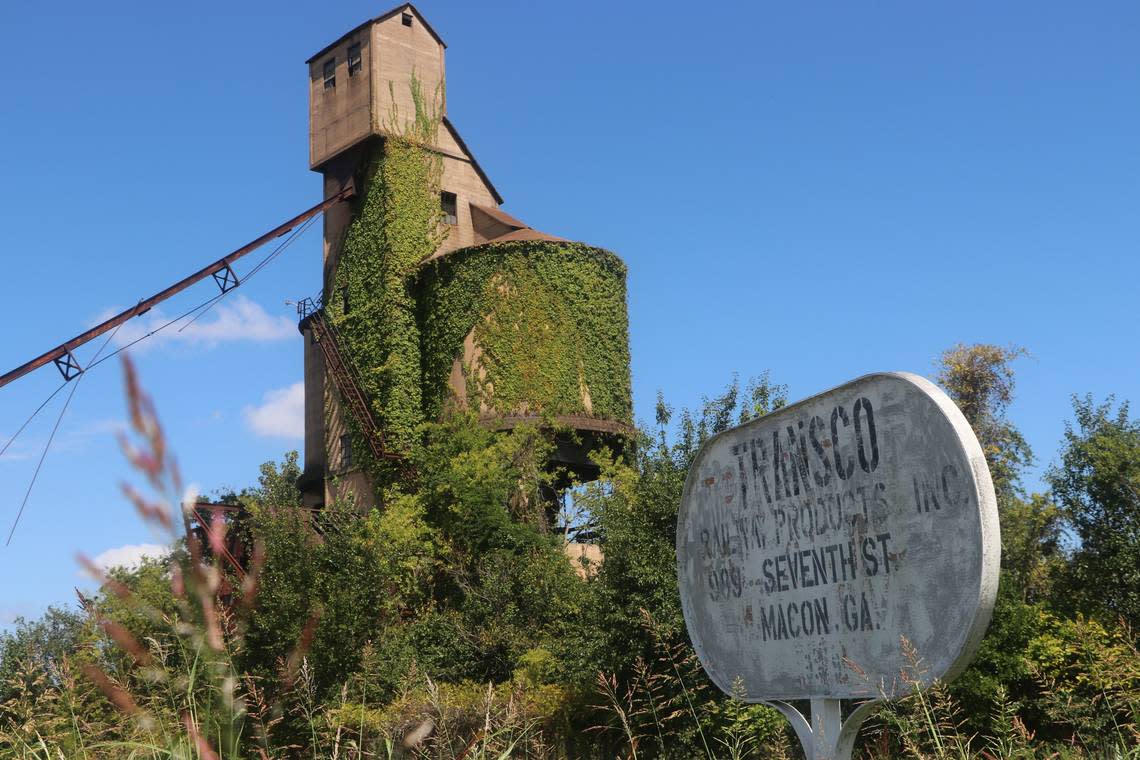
[[358, 83]]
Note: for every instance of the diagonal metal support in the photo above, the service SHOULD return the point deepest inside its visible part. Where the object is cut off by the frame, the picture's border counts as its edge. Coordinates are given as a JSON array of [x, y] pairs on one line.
[[68, 366], [226, 278], [346, 192]]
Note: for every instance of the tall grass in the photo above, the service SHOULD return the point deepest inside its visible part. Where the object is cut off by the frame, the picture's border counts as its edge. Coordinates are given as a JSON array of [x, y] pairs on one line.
[[928, 724], [175, 692]]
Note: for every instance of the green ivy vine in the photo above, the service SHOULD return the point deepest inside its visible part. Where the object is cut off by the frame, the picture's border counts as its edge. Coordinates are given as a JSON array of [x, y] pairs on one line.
[[395, 224], [549, 319]]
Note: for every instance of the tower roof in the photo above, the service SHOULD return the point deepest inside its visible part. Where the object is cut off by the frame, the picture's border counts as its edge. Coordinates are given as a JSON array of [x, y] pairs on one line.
[[398, 9], [517, 231], [471, 156], [528, 233]]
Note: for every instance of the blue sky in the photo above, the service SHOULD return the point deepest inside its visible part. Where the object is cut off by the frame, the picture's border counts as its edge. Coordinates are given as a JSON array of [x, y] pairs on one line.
[[821, 189]]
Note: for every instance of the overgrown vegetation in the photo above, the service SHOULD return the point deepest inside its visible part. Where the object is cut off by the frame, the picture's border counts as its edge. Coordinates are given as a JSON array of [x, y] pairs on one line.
[[450, 624], [549, 319], [396, 224]]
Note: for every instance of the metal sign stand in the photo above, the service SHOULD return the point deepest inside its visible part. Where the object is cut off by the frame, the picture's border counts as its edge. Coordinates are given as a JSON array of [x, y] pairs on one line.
[[828, 736]]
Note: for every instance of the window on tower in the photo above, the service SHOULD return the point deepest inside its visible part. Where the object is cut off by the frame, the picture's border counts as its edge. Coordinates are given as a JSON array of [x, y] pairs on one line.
[[354, 60], [345, 452], [330, 74], [447, 202], [407, 19]]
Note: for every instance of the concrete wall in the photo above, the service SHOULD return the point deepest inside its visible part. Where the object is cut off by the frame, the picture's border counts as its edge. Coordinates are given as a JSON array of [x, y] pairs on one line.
[[336, 173], [341, 116], [366, 104], [315, 460], [340, 480], [460, 177], [586, 559], [400, 52]]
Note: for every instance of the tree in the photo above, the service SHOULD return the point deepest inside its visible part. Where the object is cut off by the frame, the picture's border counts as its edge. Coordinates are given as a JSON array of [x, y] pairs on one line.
[[1031, 533], [277, 484], [634, 628], [1097, 485], [980, 380], [44, 642]]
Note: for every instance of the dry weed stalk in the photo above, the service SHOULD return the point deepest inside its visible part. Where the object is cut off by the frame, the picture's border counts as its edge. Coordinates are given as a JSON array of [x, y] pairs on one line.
[[220, 712]]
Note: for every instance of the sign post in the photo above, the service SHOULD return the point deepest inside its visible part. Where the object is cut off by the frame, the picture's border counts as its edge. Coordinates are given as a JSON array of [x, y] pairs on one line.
[[817, 545]]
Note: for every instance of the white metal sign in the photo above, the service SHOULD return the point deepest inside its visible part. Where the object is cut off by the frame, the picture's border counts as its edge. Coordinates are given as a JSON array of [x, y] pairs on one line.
[[812, 540]]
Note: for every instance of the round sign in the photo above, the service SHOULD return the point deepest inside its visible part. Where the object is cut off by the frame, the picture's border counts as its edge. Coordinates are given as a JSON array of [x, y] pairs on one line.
[[813, 543]]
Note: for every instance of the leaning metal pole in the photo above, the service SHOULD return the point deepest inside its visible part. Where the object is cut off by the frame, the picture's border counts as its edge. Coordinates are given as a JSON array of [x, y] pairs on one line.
[[62, 355]]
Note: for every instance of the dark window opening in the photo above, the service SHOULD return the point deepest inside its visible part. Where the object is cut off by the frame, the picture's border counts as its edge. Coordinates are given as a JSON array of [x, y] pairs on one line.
[[447, 202], [354, 61], [330, 74], [407, 19], [345, 306], [345, 451]]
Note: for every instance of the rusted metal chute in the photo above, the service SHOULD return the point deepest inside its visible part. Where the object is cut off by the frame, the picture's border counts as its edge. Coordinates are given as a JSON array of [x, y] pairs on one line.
[[221, 271]]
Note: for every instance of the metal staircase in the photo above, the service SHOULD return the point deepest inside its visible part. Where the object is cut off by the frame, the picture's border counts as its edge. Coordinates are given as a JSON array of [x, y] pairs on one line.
[[344, 376]]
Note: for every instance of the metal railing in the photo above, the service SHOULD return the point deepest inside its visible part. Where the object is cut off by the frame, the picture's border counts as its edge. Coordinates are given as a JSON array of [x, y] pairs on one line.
[[343, 373]]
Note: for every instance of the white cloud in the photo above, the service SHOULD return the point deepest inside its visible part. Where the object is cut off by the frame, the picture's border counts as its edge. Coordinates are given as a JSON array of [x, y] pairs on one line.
[[231, 320], [281, 413], [129, 556]]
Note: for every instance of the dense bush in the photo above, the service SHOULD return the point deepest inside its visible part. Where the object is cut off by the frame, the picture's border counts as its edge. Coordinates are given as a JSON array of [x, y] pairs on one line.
[[452, 618]]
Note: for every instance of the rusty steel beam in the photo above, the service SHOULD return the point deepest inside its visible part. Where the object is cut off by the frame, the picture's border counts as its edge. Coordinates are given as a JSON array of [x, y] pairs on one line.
[[348, 191]]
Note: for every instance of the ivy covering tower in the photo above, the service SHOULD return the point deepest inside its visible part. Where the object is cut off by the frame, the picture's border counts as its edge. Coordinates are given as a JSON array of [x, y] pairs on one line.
[[434, 299]]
